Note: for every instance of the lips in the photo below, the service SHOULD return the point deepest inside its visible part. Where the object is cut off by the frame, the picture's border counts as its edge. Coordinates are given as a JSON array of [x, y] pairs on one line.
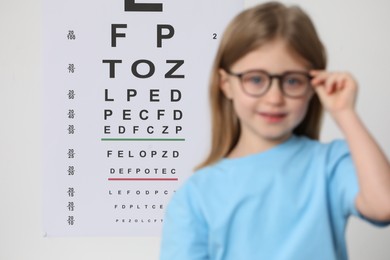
[[273, 117]]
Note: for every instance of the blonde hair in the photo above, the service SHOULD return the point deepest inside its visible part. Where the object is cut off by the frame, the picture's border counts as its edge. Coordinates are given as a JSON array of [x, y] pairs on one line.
[[248, 31]]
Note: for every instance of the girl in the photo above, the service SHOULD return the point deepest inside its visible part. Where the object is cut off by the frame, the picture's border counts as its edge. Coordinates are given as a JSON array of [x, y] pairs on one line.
[[269, 189]]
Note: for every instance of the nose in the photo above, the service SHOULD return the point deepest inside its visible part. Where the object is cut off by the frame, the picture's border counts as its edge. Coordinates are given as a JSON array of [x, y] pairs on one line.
[[274, 94]]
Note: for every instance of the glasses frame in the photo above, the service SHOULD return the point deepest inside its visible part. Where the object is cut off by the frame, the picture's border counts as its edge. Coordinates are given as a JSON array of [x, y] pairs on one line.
[[280, 78]]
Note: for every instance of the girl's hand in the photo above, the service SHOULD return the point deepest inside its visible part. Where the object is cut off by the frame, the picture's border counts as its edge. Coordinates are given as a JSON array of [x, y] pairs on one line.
[[336, 90]]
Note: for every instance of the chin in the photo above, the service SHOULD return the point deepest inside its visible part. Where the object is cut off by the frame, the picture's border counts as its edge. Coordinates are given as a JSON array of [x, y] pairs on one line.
[[277, 138]]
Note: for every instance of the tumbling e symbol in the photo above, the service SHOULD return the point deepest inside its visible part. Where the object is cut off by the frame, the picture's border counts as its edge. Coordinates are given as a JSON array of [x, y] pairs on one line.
[[71, 68], [71, 206], [71, 153], [132, 6], [71, 35], [71, 94], [71, 170], [71, 192], [71, 220], [71, 129], [71, 113]]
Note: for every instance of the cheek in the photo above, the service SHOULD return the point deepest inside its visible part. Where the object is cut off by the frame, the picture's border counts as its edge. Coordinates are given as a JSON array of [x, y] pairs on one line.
[[300, 110], [243, 106]]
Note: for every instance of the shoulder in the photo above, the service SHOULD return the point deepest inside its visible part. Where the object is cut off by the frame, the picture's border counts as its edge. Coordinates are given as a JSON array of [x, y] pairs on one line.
[[335, 159], [203, 183], [203, 177], [189, 199], [325, 155], [330, 149], [335, 152]]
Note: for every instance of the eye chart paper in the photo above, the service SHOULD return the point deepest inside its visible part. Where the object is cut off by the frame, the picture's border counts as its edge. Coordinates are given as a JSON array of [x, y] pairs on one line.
[[126, 109]]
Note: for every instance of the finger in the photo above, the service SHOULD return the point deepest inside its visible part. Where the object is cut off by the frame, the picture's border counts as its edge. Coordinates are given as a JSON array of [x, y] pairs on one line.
[[324, 79], [349, 81], [319, 77], [321, 92], [315, 72], [340, 81], [332, 83]]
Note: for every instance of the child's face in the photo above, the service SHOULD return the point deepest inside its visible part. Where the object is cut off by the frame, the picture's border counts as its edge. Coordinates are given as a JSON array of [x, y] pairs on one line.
[[272, 116]]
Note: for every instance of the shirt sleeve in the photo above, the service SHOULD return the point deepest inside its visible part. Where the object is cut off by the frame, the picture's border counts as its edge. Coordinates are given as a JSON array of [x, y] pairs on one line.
[[344, 183], [185, 229]]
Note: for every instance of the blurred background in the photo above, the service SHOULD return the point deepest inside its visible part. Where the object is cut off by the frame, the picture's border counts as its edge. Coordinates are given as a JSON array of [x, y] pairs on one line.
[[357, 39]]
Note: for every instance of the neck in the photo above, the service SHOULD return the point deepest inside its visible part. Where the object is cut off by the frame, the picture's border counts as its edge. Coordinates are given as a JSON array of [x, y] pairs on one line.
[[248, 146]]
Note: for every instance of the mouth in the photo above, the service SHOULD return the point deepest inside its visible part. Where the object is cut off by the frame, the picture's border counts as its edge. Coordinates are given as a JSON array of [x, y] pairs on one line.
[[273, 117]]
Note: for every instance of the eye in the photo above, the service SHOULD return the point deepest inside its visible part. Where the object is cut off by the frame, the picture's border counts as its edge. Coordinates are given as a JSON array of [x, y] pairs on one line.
[[295, 80], [295, 84], [255, 79]]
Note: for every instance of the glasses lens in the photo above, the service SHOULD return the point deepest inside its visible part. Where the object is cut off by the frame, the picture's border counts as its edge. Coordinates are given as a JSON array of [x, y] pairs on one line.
[[255, 83], [295, 84]]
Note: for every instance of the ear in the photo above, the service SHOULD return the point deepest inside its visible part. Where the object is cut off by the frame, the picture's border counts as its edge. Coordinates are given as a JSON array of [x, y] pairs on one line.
[[224, 84]]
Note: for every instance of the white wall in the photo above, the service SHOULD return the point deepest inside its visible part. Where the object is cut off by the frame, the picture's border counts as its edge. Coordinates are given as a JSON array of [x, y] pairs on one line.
[[357, 38]]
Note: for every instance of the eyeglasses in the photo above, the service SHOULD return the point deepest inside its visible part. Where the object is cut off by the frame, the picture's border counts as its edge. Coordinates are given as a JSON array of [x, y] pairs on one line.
[[293, 84]]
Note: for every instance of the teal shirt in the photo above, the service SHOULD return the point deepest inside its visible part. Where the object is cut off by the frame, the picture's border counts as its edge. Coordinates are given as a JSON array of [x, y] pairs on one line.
[[289, 202]]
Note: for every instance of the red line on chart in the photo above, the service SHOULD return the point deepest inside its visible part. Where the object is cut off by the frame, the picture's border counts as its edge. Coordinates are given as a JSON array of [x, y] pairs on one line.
[[142, 179]]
